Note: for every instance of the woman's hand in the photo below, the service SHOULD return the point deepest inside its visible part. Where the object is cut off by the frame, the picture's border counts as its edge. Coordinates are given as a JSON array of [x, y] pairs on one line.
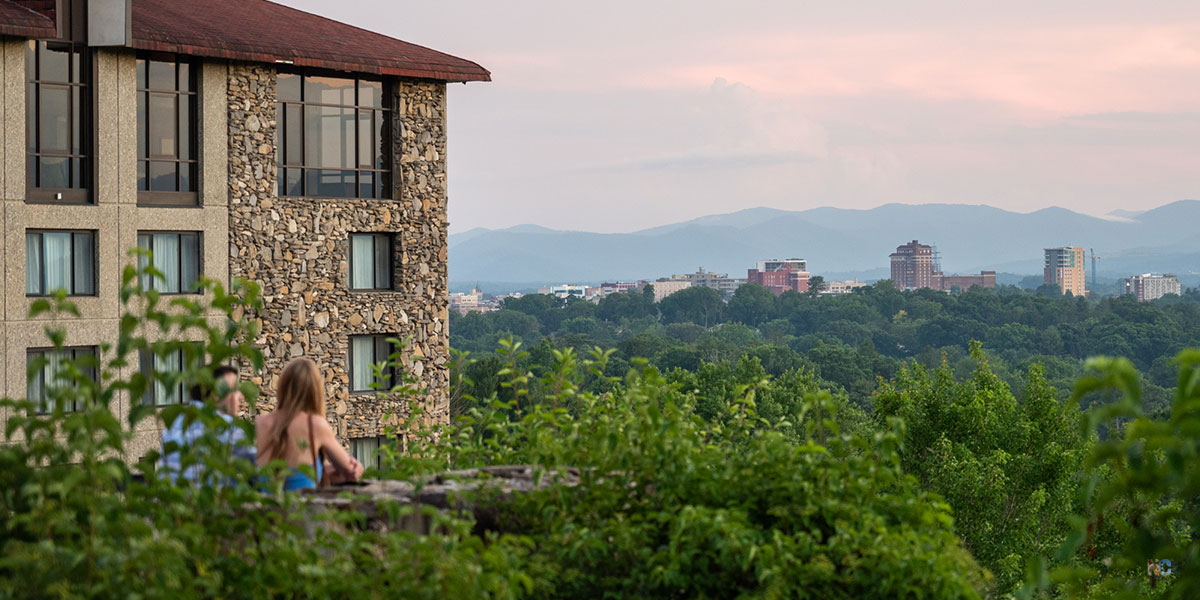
[[337, 476]]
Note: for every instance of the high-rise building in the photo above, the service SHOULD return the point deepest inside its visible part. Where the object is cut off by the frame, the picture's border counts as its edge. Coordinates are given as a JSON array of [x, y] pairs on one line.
[[311, 161], [1147, 286], [1065, 268], [912, 266], [780, 276]]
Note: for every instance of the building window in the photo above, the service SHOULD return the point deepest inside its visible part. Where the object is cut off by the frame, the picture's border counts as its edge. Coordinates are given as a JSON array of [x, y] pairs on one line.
[[366, 449], [58, 127], [176, 256], [166, 127], [57, 260], [158, 393], [371, 261], [45, 382], [331, 137], [365, 351]]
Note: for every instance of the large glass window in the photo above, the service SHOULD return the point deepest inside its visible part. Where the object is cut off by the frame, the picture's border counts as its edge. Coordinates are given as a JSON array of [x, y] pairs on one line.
[[58, 127], [44, 382], [57, 260], [370, 261], [157, 392], [166, 126], [367, 350], [331, 137], [367, 449], [176, 256]]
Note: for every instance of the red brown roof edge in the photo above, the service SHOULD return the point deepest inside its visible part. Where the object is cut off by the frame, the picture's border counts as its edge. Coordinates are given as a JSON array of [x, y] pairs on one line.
[[19, 20]]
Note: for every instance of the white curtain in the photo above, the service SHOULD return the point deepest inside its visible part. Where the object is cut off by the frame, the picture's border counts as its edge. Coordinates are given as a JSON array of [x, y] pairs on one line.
[[56, 255], [54, 362], [36, 390], [362, 354], [33, 264], [162, 365], [166, 260], [362, 253]]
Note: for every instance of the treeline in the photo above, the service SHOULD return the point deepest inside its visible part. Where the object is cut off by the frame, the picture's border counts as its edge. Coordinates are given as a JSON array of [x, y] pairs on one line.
[[851, 341]]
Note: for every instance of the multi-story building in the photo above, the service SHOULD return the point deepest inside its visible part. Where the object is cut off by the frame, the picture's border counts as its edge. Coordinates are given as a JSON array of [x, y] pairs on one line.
[[665, 287], [837, 288], [1148, 286], [949, 283], [608, 288], [780, 276], [916, 265], [235, 139], [912, 266], [472, 301], [718, 281], [564, 291], [1065, 268]]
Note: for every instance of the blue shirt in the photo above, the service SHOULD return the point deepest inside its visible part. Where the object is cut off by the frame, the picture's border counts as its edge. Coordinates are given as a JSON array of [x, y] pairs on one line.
[[169, 463]]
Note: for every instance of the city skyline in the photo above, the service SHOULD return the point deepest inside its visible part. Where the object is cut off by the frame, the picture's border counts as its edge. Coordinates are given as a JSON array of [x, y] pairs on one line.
[[1087, 106]]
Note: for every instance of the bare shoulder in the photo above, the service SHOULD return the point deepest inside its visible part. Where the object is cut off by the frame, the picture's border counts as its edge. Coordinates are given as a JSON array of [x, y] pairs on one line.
[[263, 420]]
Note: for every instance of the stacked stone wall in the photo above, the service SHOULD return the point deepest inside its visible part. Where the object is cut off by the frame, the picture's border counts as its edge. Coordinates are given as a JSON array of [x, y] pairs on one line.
[[297, 249]]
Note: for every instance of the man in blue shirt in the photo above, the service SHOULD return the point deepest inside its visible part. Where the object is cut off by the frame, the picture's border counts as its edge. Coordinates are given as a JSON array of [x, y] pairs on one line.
[[183, 434]]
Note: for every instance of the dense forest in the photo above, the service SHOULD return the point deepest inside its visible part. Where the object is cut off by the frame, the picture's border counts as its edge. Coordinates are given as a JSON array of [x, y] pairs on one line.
[[853, 341]]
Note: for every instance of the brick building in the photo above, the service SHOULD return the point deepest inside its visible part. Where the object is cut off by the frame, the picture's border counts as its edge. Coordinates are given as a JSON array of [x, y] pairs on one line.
[[912, 266], [916, 265], [780, 276], [236, 139]]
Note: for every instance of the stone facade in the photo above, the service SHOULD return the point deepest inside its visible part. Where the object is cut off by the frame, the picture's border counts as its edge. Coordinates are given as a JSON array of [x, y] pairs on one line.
[[298, 250]]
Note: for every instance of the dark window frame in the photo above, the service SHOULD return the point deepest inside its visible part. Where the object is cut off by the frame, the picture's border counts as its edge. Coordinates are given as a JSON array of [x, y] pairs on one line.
[[95, 263], [381, 442], [32, 353], [385, 177], [390, 240], [81, 84], [193, 290], [146, 358], [381, 345], [191, 95]]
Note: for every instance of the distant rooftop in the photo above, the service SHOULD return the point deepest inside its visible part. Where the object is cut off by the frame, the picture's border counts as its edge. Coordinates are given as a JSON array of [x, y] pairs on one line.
[[258, 31]]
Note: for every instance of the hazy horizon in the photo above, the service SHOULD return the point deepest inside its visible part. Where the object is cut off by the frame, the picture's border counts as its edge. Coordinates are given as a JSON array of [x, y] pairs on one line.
[[624, 116]]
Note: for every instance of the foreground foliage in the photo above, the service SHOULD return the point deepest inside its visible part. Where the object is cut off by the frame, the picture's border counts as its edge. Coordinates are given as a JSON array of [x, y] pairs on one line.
[[732, 479]]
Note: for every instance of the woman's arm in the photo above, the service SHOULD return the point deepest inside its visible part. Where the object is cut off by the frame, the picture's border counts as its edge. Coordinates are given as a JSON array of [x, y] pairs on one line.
[[346, 467]]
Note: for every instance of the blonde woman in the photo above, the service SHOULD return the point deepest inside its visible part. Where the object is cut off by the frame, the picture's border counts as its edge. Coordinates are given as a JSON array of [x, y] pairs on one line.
[[298, 434]]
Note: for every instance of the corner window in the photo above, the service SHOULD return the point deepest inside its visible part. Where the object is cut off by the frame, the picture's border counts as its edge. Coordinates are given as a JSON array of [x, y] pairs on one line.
[[331, 137], [157, 392], [367, 350], [58, 122], [45, 383], [166, 127], [371, 261], [176, 256], [57, 260]]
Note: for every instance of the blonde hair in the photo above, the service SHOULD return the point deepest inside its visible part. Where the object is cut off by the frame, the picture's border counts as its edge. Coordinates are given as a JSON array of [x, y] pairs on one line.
[[301, 389]]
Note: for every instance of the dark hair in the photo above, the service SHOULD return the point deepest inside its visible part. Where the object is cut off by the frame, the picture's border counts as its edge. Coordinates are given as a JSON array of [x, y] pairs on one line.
[[219, 371]]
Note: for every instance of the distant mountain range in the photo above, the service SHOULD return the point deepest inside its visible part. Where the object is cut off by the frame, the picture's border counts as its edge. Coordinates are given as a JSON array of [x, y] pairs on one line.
[[837, 242]]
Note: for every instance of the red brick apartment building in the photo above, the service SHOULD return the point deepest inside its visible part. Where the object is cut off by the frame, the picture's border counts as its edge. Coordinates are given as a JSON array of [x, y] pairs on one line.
[[780, 276]]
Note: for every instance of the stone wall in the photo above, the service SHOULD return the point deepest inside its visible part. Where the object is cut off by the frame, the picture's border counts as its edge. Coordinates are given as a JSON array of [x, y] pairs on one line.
[[297, 249]]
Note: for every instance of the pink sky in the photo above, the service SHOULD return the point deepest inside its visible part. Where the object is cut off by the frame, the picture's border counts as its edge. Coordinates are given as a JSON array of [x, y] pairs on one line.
[[622, 115]]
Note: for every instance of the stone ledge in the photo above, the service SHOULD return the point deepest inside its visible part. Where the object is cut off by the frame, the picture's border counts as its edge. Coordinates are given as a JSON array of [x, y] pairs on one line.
[[459, 490]]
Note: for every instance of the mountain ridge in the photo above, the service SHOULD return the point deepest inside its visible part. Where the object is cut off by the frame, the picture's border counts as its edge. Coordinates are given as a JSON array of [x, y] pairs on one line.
[[970, 237]]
